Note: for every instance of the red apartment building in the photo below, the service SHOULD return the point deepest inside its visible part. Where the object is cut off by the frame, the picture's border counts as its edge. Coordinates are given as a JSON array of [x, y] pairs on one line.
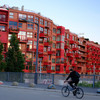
[[59, 49]]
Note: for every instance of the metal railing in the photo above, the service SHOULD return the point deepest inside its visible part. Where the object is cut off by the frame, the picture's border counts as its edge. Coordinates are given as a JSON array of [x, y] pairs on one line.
[[44, 78]]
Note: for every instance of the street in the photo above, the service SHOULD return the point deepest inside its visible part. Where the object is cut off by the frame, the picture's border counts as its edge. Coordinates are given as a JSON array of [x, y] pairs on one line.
[[31, 94]]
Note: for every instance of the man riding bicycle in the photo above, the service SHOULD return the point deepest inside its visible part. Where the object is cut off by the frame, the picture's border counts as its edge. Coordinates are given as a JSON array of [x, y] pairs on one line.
[[74, 78]]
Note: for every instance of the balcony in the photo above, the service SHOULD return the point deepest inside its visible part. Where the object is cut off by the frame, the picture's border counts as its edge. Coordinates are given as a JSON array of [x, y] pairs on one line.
[[74, 48], [47, 27], [22, 38], [81, 60], [12, 30], [70, 54], [41, 35], [29, 50], [71, 41], [81, 49], [40, 49], [66, 46], [76, 55], [41, 55], [51, 52], [3, 21], [46, 63], [46, 44]]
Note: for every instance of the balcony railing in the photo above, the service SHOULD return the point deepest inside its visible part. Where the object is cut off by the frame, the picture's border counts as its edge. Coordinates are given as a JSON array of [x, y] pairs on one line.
[[22, 38], [71, 41], [12, 30], [2, 19]]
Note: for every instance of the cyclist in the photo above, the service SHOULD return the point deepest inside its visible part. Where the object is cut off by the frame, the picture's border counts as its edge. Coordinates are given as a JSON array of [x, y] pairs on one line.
[[74, 79]]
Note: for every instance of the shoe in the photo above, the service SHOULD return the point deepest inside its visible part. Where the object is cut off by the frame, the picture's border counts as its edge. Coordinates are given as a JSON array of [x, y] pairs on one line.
[[74, 93]]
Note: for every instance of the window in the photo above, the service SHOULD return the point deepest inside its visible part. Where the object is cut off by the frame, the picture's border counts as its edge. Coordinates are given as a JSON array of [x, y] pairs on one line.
[[9, 36], [49, 24], [45, 49], [40, 40], [11, 15], [29, 44], [58, 68], [67, 36], [35, 27], [59, 38], [29, 34], [54, 45], [22, 35], [30, 18], [49, 57], [22, 47], [53, 68], [20, 25], [12, 24], [72, 37], [41, 21], [49, 48], [30, 26], [67, 42], [54, 38], [54, 30], [36, 19], [27, 68], [46, 23], [58, 53], [58, 31], [63, 38], [22, 16], [41, 29], [62, 45], [35, 43], [45, 31], [2, 28], [2, 18], [44, 68], [45, 39], [35, 35], [49, 32], [53, 60], [28, 55], [58, 46], [62, 60]]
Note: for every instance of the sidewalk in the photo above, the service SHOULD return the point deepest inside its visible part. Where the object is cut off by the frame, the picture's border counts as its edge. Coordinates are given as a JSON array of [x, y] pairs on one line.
[[43, 87]]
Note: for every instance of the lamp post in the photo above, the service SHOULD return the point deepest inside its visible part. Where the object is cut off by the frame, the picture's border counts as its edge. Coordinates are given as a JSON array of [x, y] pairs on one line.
[[35, 78]]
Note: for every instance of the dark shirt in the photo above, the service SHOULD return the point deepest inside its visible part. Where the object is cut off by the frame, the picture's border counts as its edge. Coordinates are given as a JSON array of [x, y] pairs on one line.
[[73, 76]]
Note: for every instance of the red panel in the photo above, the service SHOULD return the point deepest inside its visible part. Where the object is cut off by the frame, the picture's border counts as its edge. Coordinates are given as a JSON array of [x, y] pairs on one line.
[[62, 29], [3, 37]]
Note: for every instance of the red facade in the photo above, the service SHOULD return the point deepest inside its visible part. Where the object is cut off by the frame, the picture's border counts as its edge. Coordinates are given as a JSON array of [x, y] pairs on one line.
[[59, 49]]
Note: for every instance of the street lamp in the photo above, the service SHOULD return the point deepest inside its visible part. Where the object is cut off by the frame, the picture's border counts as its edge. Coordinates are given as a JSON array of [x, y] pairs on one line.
[[35, 78]]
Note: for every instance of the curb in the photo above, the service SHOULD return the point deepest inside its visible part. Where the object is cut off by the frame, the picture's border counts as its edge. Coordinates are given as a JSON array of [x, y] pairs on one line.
[[41, 89]]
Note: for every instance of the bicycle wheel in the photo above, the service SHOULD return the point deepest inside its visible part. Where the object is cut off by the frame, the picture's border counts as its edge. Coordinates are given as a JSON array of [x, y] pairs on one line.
[[79, 93], [65, 91]]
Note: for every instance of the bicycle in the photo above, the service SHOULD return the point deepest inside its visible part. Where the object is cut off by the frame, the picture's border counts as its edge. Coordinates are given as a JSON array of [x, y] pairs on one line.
[[78, 92]]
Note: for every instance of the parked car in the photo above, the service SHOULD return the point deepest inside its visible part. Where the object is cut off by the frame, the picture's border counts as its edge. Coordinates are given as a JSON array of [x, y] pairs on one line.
[[98, 90]]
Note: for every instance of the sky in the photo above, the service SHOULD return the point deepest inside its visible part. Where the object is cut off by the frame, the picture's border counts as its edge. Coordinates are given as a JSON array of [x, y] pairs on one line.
[[79, 16]]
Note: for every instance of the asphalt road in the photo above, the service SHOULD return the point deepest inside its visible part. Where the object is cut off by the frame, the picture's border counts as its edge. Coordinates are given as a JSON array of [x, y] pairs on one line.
[[7, 93]]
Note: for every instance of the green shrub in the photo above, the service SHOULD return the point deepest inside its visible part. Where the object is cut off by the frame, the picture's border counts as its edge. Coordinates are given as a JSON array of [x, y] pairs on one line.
[[97, 84], [85, 84]]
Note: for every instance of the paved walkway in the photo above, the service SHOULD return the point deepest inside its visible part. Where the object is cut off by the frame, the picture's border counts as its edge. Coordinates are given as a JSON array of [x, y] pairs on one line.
[[90, 91]]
